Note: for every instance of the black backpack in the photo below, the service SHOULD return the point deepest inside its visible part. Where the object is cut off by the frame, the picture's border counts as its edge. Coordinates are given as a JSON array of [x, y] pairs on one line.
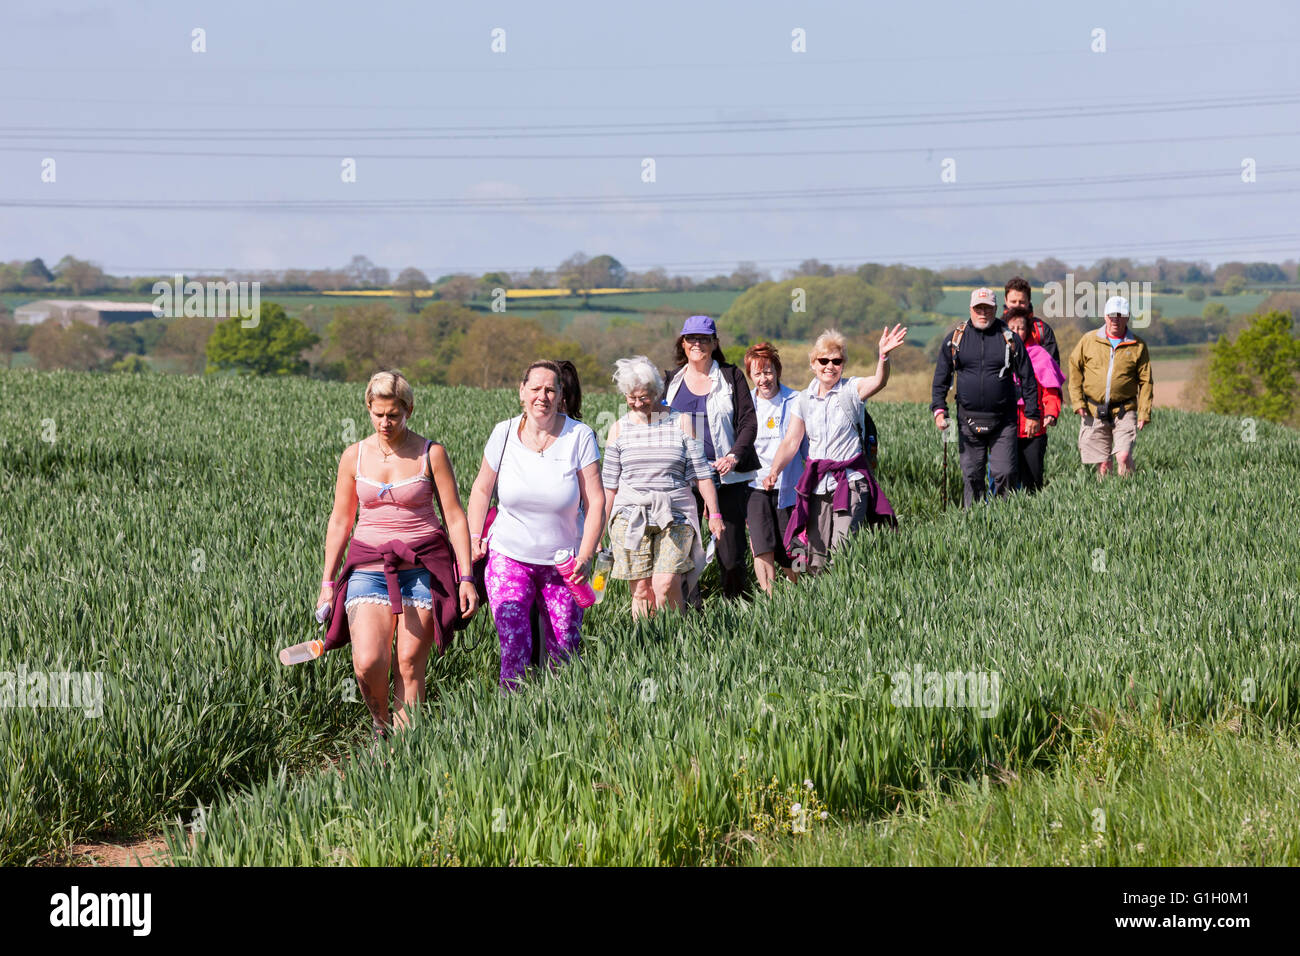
[[1007, 335]]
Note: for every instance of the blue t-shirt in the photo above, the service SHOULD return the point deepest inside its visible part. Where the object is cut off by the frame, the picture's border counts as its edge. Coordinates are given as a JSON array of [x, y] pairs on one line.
[[697, 407], [1114, 343]]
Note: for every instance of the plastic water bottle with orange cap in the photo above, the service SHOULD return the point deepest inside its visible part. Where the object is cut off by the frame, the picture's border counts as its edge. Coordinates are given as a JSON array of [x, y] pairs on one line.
[[307, 650]]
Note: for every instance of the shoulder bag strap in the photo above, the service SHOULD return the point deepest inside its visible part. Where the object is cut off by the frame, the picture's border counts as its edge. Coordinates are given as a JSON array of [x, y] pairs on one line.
[[856, 416], [433, 481], [501, 460]]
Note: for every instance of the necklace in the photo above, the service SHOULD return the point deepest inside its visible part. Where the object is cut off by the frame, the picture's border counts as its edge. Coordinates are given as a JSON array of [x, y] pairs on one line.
[[547, 438], [387, 454]]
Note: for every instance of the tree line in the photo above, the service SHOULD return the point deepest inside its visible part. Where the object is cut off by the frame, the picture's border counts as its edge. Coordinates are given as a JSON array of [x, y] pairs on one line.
[[78, 277]]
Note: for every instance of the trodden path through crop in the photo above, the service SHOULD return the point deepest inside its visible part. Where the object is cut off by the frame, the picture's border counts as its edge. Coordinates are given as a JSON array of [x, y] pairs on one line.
[[143, 851]]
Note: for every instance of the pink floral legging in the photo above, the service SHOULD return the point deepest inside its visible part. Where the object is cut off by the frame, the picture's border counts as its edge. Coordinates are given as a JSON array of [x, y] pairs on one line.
[[512, 586]]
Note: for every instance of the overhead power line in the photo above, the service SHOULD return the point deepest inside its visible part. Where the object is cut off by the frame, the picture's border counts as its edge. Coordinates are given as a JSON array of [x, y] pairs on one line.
[[939, 196], [669, 128], [1018, 101], [335, 155], [705, 63]]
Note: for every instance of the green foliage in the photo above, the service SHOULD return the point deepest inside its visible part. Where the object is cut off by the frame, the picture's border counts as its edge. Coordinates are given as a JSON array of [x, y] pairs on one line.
[[1282, 302], [1196, 294], [186, 340], [433, 339], [604, 272], [150, 332], [917, 289], [155, 541], [846, 303], [364, 339], [498, 347], [123, 337], [1215, 312], [79, 346], [1127, 795], [1234, 284], [1258, 374], [143, 285], [273, 346], [1264, 272], [8, 336], [131, 363], [37, 271], [411, 281], [633, 753], [79, 277]]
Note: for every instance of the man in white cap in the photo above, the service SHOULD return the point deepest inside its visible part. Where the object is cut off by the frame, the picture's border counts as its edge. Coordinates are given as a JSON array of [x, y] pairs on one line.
[[1111, 389], [986, 359]]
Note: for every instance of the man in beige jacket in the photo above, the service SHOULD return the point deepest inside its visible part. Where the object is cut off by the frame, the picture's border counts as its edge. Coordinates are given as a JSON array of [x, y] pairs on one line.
[[1111, 389]]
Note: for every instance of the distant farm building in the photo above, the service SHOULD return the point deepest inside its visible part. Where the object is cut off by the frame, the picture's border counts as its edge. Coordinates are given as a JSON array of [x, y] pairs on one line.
[[96, 313]]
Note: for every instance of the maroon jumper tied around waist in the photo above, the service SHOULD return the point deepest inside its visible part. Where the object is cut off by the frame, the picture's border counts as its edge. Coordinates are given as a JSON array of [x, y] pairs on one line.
[[879, 510], [433, 553]]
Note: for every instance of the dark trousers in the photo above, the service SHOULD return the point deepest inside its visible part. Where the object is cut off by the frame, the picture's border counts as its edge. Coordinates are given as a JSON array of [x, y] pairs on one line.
[[733, 505], [996, 448], [1030, 463]]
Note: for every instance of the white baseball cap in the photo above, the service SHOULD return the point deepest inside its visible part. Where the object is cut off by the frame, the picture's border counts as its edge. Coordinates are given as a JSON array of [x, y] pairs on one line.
[[1116, 305]]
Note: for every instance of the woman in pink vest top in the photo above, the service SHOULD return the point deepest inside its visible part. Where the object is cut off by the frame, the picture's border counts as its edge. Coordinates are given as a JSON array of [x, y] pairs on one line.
[[396, 546]]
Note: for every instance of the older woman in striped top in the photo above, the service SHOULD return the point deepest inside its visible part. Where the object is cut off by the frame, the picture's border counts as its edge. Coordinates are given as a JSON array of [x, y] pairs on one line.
[[652, 459]]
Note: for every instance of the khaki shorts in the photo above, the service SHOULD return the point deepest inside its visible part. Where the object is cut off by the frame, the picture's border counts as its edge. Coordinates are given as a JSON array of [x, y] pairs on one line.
[[662, 551], [826, 530], [1098, 439]]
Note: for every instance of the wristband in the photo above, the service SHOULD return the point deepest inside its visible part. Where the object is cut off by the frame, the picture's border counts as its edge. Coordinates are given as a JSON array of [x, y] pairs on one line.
[[465, 579], [327, 584], [719, 517], [476, 537]]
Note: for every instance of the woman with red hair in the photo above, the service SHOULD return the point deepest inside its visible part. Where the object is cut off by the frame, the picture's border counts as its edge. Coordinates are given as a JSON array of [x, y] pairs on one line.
[[769, 510]]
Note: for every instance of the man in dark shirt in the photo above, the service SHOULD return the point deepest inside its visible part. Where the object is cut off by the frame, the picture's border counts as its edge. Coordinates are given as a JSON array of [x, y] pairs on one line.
[[986, 358], [1019, 295]]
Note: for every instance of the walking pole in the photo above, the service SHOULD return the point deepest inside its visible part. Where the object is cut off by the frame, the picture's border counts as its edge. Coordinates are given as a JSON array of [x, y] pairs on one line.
[[944, 488]]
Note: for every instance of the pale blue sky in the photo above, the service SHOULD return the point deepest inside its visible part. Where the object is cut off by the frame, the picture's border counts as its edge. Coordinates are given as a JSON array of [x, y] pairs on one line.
[[910, 82]]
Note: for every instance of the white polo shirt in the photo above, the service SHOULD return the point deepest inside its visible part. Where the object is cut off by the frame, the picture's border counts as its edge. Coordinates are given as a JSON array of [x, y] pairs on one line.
[[832, 434]]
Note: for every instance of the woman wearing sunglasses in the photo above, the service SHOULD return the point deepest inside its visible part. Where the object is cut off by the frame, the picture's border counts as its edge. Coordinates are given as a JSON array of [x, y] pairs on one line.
[[837, 491], [714, 397]]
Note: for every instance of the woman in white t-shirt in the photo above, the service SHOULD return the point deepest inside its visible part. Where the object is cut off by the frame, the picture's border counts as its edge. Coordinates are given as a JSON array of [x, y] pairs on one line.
[[769, 511], [545, 467]]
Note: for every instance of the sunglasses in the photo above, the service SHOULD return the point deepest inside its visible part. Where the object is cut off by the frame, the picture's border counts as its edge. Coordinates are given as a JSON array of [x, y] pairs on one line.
[[698, 339], [831, 361]]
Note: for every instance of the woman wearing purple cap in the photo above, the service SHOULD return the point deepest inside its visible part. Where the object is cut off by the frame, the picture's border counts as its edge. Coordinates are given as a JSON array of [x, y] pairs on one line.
[[715, 396]]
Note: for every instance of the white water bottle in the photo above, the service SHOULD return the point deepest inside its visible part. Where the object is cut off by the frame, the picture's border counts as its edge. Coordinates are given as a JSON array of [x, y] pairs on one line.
[[300, 653]]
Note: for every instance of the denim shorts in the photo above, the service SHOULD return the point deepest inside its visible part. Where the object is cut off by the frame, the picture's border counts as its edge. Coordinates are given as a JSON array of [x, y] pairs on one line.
[[371, 587]]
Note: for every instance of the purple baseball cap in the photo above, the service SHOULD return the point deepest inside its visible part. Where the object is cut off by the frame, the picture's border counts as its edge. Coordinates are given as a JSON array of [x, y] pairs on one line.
[[699, 325]]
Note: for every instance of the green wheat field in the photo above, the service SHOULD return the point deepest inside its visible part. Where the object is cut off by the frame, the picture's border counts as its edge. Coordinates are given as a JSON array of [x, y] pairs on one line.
[[167, 534]]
